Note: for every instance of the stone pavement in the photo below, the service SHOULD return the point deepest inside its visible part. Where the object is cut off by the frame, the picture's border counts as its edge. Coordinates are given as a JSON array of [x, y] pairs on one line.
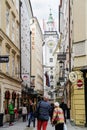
[[19, 125]]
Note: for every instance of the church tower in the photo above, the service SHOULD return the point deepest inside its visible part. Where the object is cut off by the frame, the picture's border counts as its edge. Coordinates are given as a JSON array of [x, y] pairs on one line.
[[50, 42]]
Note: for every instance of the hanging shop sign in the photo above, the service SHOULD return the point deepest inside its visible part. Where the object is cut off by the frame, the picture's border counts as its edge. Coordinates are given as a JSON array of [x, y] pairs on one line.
[[61, 56], [73, 76], [4, 59]]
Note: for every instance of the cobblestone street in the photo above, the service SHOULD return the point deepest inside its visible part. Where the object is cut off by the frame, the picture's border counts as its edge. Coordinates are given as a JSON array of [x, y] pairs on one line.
[[19, 125]]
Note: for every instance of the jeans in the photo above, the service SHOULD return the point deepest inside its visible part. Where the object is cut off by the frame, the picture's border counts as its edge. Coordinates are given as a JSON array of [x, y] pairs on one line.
[[31, 119], [11, 118], [59, 126]]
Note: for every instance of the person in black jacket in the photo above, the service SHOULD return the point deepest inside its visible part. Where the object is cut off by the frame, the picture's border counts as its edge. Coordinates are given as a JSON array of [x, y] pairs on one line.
[[31, 117], [64, 108]]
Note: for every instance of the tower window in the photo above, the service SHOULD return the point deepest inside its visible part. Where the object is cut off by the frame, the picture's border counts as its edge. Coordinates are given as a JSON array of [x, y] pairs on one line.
[[51, 59]]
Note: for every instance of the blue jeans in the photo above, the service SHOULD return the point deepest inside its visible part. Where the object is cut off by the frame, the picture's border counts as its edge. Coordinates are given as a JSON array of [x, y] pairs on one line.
[[31, 119]]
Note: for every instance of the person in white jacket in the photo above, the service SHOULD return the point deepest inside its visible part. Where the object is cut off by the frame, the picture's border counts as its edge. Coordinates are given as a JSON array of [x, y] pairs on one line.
[[24, 112]]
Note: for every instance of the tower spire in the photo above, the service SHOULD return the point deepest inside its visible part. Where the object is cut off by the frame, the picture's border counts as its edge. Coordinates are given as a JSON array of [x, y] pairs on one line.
[[50, 22]]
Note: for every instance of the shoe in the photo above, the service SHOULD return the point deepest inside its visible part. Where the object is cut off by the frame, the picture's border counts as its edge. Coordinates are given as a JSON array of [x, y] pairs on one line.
[[11, 124], [28, 126]]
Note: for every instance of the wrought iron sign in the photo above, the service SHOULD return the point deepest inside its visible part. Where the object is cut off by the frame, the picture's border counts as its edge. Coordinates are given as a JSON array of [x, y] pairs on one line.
[[61, 56]]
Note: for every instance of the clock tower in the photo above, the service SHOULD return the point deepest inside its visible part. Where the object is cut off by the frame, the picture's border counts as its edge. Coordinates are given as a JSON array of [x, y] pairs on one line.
[[50, 42]]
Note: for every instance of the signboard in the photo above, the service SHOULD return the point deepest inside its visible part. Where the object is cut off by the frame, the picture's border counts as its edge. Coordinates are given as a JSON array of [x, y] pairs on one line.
[[25, 77], [4, 59], [61, 79], [73, 76], [61, 56], [79, 83]]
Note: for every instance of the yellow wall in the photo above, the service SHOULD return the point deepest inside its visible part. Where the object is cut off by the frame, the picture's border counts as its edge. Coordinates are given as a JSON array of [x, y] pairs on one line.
[[77, 103]]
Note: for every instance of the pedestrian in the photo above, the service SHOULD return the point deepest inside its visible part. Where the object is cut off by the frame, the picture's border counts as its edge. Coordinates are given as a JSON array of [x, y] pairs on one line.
[[31, 117], [11, 112], [58, 116], [52, 109], [43, 110], [24, 112], [16, 113], [64, 107]]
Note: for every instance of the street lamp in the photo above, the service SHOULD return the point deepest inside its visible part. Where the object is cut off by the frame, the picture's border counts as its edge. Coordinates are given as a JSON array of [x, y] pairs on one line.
[[61, 63]]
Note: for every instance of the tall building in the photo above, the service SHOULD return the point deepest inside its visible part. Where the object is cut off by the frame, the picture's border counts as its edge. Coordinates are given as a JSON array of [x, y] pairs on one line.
[[36, 56], [64, 48], [10, 79], [50, 42], [79, 40], [26, 16]]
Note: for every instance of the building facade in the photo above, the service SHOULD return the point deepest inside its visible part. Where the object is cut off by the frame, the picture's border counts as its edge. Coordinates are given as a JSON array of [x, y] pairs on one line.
[[36, 56], [74, 33], [10, 79], [79, 91]]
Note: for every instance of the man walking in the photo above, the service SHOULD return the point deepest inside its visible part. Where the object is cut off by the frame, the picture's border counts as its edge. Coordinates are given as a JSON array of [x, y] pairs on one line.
[[43, 109], [64, 108]]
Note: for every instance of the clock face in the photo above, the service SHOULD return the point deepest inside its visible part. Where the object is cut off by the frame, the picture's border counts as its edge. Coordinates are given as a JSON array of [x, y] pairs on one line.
[[72, 77], [50, 44]]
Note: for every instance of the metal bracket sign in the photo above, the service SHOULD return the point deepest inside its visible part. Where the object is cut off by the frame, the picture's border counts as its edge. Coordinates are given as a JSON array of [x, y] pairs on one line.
[[4, 59], [61, 56]]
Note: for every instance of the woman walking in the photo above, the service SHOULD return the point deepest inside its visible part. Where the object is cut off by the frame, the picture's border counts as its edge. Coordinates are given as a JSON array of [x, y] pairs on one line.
[[58, 116]]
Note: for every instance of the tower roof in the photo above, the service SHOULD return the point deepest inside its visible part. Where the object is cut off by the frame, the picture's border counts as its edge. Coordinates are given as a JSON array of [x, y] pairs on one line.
[[50, 19]]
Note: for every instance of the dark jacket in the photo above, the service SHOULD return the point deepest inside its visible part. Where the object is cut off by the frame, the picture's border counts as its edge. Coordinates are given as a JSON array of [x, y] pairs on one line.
[[43, 109]]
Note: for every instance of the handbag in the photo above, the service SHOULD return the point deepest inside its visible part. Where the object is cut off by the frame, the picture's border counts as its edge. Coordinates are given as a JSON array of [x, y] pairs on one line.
[[56, 119], [54, 122], [36, 113], [65, 127]]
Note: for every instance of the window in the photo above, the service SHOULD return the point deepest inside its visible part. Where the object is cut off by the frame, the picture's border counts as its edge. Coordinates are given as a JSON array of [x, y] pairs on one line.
[[51, 59], [17, 35], [51, 86], [17, 5], [50, 51], [7, 21], [17, 68], [13, 1], [13, 28], [7, 64], [13, 64], [51, 76], [0, 52]]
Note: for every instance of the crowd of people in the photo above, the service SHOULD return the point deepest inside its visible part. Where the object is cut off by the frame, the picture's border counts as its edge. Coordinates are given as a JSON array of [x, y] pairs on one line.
[[43, 112]]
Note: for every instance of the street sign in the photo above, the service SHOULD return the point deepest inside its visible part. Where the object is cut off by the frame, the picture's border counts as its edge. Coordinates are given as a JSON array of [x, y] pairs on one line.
[[79, 83], [4, 59]]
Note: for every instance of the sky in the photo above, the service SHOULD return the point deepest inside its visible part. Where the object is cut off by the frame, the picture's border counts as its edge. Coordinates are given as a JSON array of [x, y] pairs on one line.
[[41, 10]]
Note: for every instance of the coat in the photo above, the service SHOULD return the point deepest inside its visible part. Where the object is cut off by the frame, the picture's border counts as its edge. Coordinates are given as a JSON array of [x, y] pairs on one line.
[[11, 109], [44, 110]]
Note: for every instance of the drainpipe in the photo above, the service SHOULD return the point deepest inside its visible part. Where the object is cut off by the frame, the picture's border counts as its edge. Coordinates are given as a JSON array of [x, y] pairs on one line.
[[69, 65], [20, 4], [30, 57], [69, 42]]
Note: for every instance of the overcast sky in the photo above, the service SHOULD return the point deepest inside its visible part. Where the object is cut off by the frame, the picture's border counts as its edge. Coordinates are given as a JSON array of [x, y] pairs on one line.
[[41, 10]]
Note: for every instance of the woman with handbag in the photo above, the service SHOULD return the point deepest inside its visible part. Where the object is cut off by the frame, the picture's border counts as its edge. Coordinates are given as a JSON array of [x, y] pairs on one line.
[[58, 117]]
